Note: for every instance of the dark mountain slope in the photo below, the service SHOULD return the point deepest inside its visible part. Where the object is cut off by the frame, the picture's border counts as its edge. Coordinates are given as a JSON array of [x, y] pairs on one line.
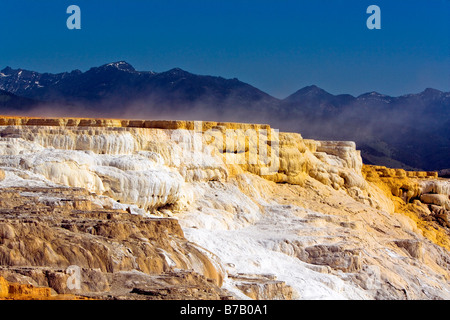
[[409, 131]]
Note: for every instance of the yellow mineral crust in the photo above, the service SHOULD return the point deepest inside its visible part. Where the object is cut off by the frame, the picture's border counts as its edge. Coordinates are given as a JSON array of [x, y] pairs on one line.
[[404, 189], [103, 122], [16, 291]]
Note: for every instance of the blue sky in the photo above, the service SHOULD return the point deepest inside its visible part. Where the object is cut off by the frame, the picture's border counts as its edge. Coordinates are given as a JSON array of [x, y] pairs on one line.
[[276, 46]]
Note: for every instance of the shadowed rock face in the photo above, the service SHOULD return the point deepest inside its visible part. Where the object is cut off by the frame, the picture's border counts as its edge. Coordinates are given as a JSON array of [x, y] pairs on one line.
[[43, 231], [145, 214]]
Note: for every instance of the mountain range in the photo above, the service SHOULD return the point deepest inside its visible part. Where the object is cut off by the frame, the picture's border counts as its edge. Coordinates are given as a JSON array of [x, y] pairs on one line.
[[409, 131]]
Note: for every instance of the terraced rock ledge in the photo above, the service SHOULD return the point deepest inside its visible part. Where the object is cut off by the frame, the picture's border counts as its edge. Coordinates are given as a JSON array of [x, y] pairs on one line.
[[143, 212]]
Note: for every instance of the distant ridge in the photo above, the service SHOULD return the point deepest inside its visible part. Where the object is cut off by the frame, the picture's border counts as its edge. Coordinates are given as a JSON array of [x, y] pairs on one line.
[[411, 131]]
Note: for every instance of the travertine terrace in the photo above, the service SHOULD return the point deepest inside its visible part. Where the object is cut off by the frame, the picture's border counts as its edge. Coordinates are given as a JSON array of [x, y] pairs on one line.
[[169, 209]]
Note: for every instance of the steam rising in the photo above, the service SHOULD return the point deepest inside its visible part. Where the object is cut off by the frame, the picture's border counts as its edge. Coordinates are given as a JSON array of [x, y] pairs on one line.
[[410, 132]]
